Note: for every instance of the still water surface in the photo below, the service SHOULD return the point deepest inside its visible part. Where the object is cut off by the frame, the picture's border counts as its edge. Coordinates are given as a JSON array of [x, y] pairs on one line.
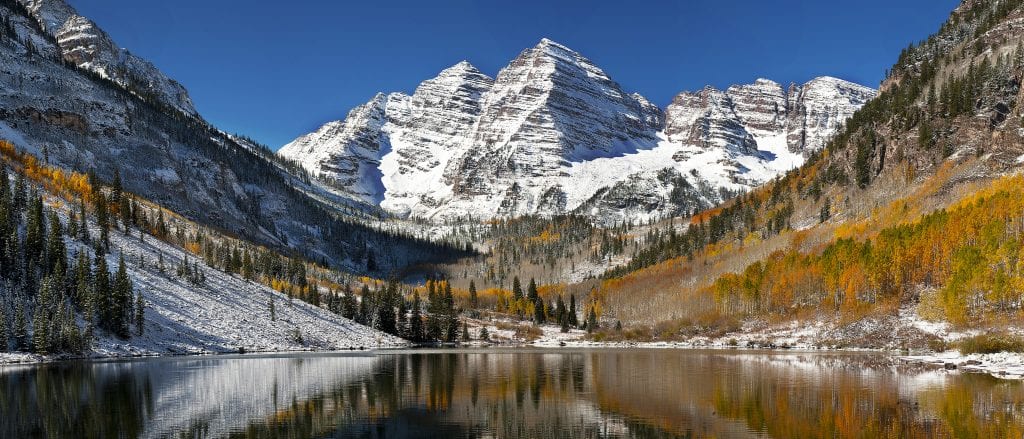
[[508, 393]]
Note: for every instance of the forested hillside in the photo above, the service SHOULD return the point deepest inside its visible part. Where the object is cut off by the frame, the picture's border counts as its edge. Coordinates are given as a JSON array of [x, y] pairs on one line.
[[907, 208]]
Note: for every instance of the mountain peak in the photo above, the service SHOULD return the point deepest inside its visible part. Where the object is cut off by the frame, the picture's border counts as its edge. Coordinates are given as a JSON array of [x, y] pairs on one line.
[[460, 68], [553, 48]]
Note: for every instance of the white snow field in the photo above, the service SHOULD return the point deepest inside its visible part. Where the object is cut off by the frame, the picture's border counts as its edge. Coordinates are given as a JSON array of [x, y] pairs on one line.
[[225, 314]]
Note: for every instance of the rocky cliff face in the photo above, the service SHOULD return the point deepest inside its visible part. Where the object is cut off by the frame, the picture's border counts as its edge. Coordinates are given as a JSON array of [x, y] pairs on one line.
[[80, 117], [553, 134], [85, 45]]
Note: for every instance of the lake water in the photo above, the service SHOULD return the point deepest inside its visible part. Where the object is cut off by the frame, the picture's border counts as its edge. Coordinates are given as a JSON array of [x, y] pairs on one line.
[[508, 393]]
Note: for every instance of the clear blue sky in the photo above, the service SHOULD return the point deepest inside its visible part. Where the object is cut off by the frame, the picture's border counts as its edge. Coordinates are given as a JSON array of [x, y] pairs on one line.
[[274, 70]]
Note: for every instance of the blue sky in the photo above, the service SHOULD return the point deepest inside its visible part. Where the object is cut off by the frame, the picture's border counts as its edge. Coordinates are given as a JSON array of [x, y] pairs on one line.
[[274, 70]]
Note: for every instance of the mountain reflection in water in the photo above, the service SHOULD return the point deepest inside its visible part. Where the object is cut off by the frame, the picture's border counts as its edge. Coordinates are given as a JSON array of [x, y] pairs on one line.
[[508, 393]]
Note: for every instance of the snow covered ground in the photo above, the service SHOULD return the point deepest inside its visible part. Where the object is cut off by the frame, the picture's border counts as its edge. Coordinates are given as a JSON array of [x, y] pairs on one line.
[[226, 314], [1007, 365], [900, 333]]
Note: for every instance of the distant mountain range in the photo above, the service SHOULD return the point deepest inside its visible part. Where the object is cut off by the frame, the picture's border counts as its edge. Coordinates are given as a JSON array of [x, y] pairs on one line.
[[554, 134]]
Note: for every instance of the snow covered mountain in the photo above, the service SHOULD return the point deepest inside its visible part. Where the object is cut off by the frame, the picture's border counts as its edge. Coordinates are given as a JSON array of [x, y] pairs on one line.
[[85, 45], [70, 95], [553, 133]]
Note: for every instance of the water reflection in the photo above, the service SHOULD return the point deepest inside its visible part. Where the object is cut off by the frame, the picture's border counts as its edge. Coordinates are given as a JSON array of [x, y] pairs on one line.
[[494, 393]]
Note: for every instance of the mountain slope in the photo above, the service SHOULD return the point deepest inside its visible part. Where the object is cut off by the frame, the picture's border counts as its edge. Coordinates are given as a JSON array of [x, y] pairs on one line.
[[72, 109], [904, 229], [554, 134], [85, 45]]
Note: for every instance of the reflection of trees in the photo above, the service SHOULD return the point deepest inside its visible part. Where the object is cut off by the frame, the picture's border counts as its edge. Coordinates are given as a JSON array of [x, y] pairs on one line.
[[519, 394], [74, 400], [778, 395]]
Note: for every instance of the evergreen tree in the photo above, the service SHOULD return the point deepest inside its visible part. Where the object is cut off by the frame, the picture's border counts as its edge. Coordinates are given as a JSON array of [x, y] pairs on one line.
[[561, 314], [102, 220], [517, 289], [56, 251], [20, 328], [386, 310], [484, 336], [123, 311], [314, 296], [416, 319], [273, 309], [248, 271], [20, 195], [349, 304], [532, 290], [472, 295], [4, 336], [364, 317], [83, 227], [140, 314], [465, 331], [573, 320], [101, 293], [41, 318], [402, 322], [592, 321], [35, 231], [538, 311]]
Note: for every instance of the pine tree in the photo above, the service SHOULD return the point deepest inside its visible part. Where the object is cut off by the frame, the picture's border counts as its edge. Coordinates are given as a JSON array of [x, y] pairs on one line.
[[402, 322], [41, 318], [349, 304], [538, 311], [517, 289], [35, 231], [248, 271], [314, 296], [364, 317], [20, 328], [101, 293], [484, 336], [20, 196], [386, 311], [573, 320], [465, 331], [56, 251], [3, 328], [122, 301], [561, 314], [416, 319], [83, 227], [117, 190], [161, 225], [273, 308], [472, 295], [140, 314], [532, 290], [592, 321], [103, 220]]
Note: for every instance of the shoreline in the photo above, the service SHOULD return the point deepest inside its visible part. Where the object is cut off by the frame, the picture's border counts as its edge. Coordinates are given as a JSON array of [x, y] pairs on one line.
[[1002, 365]]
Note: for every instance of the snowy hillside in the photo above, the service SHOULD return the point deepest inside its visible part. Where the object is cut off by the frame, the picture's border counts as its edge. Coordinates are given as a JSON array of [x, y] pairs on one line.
[[224, 313], [553, 133], [62, 96]]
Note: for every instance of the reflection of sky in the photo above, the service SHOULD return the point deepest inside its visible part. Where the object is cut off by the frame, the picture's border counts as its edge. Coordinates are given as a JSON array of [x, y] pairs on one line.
[[226, 394]]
